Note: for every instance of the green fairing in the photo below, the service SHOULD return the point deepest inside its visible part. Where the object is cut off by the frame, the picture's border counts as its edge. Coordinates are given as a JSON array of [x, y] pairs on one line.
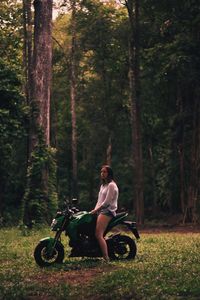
[[85, 217], [59, 223], [79, 218]]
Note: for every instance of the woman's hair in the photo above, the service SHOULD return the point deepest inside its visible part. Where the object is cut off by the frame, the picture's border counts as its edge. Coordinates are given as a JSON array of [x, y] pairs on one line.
[[110, 173]]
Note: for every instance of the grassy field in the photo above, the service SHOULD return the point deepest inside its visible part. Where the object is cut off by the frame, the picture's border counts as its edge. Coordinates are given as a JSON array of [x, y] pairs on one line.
[[167, 266]]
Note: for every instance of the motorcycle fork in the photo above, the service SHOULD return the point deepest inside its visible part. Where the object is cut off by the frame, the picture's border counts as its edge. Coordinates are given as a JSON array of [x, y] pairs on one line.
[[53, 242]]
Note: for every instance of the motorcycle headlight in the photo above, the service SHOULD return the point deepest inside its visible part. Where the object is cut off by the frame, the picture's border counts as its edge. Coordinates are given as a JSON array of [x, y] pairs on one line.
[[53, 223]]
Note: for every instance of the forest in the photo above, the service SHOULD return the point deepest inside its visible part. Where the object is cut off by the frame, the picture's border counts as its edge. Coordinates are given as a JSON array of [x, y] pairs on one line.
[[90, 82]]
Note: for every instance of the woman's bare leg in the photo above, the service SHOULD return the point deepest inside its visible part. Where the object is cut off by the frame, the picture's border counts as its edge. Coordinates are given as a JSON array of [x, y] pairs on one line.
[[102, 223]]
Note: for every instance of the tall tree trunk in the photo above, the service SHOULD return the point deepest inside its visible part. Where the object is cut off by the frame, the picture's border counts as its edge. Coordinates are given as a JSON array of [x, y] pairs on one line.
[[181, 150], [153, 176], [73, 96], [36, 196], [194, 189], [27, 56], [91, 185], [1, 198], [42, 68], [25, 63], [27, 49], [181, 169], [109, 151], [134, 82]]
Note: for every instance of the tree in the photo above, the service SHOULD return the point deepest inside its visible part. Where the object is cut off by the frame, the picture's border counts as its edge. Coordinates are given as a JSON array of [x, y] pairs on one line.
[[101, 96], [103, 100], [38, 195], [42, 57], [171, 61], [13, 124], [167, 50], [13, 113], [27, 47], [73, 96], [133, 8]]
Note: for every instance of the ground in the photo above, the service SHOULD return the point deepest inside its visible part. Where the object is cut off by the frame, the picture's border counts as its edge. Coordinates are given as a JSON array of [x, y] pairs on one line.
[[74, 275], [186, 228], [70, 276]]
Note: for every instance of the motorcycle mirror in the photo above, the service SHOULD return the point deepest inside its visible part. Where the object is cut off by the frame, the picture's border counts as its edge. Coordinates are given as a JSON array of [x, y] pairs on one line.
[[74, 201]]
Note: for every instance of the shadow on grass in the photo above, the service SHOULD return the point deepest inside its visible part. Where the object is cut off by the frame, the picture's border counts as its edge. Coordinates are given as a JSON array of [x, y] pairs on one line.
[[77, 264]]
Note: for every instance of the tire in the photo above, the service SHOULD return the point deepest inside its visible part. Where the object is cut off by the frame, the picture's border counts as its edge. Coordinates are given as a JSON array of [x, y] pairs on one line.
[[41, 258], [122, 247]]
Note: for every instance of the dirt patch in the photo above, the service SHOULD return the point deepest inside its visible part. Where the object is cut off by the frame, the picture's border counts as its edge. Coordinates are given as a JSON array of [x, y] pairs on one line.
[[72, 277], [66, 276]]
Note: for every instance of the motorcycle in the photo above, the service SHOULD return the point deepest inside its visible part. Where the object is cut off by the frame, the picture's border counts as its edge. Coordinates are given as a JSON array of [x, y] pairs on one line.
[[80, 226]]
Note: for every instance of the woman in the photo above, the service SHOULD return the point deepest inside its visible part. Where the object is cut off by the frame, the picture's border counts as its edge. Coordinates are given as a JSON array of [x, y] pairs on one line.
[[106, 207]]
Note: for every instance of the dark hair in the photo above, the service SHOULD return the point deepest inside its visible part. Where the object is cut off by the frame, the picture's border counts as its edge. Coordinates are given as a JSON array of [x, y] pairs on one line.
[[110, 173]]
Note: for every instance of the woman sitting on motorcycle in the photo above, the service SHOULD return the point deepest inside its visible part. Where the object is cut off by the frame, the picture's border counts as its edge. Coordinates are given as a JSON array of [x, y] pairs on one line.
[[106, 206]]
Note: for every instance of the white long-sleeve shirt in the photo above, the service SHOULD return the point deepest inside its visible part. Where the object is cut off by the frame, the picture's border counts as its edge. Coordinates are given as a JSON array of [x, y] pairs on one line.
[[107, 198]]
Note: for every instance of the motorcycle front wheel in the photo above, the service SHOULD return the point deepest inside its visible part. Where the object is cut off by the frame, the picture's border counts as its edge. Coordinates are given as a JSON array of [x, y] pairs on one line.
[[43, 259], [122, 248]]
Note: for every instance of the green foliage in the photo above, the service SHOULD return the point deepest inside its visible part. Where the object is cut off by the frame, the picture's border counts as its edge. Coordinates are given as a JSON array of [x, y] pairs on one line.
[[13, 130], [169, 58], [11, 25], [102, 108], [170, 62], [14, 113], [40, 200]]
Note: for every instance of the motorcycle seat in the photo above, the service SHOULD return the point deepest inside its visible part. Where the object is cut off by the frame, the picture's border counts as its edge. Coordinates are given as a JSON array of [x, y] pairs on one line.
[[122, 214]]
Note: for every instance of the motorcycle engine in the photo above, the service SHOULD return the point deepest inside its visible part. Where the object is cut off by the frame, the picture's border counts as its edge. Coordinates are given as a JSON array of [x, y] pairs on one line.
[[85, 242]]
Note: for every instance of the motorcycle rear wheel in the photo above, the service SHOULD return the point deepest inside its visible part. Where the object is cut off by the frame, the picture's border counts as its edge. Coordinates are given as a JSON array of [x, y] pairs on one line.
[[123, 248], [42, 258]]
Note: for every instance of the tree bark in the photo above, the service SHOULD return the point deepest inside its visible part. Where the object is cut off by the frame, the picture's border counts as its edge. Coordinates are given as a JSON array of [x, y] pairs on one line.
[[134, 83], [194, 190], [42, 60], [109, 151], [39, 76], [1, 198], [181, 150], [73, 96], [153, 176], [27, 57], [27, 48]]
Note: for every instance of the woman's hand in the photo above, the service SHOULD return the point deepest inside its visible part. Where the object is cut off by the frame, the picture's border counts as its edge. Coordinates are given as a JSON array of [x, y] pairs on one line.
[[93, 212]]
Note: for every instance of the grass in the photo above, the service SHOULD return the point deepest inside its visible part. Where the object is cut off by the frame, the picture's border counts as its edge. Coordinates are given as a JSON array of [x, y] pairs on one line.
[[167, 266]]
